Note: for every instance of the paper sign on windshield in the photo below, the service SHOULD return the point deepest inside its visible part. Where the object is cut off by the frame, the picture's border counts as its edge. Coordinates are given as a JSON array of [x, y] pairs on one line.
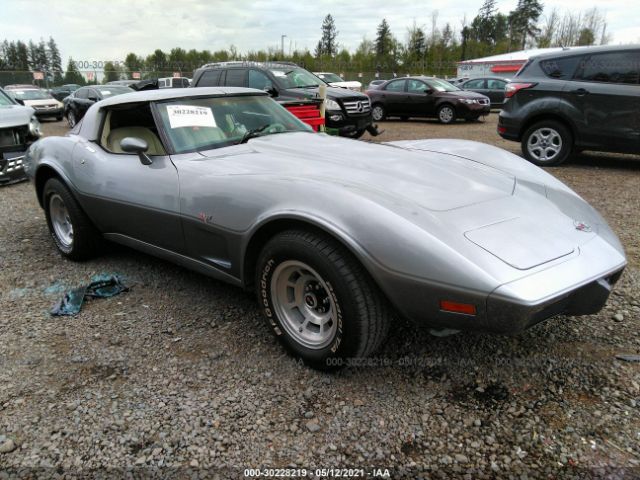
[[190, 116]]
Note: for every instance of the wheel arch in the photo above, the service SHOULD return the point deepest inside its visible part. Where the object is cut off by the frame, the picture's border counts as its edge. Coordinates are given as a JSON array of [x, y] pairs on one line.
[[44, 173], [269, 228], [556, 117]]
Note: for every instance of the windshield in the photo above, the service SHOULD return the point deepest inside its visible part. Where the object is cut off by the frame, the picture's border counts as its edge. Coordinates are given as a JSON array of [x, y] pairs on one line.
[[330, 77], [5, 100], [31, 94], [296, 77], [112, 90], [197, 124], [442, 85]]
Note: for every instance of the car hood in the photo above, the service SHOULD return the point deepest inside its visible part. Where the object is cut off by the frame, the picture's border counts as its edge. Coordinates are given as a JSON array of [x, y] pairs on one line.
[[332, 92], [438, 183], [42, 101], [15, 115]]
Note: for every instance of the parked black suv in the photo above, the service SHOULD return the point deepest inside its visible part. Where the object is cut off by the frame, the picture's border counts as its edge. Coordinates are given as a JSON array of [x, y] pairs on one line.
[[347, 111], [578, 99]]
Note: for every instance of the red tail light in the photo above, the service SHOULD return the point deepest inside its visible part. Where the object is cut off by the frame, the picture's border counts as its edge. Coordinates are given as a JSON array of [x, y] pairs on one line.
[[512, 88]]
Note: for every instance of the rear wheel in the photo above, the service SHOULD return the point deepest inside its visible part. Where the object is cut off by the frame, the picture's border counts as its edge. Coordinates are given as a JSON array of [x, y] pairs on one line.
[[71, 230], [446, 114], [547, 143], [319, 301], [378, 113]]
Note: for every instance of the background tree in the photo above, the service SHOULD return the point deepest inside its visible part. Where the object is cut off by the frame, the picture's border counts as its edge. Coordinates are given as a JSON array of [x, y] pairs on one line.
[[327, 45], [55, 61], [523, 22], [132, 63], [111, 72], [72, 75]]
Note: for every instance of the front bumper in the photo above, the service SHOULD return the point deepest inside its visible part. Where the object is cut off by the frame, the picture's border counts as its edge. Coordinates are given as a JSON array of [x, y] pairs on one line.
[[472, 110], [579, 285], [346, 124], [49, 112], [11, 167]]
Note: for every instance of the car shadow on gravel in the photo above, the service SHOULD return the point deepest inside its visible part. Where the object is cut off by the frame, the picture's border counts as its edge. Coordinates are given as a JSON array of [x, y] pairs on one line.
[[609, 161]]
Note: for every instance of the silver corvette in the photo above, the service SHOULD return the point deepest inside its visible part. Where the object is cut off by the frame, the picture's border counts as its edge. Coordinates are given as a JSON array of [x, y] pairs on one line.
[[334, 235]]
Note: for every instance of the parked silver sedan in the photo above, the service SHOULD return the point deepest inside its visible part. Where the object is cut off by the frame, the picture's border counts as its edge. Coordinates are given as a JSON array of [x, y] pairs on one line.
[[334, 235]]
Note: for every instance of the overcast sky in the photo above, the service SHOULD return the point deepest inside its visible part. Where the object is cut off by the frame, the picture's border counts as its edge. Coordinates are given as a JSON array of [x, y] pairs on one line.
[[108, 30]]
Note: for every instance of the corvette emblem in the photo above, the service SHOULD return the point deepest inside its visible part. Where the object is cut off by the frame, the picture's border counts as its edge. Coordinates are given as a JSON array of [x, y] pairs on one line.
[[583, 227]]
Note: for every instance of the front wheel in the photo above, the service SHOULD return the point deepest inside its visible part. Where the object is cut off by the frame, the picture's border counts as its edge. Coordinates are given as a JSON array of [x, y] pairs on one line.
[[378, 113], [547, 143], [70, 228], [446, 114], [355, 134], [319, 301], [71, 119]]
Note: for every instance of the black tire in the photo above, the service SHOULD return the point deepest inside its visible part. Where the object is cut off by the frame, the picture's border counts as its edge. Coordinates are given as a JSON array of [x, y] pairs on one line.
[[446, 113], [378, 112], [85, 239], [554, 132], [71, 119], [361, 312], [59, 118], [354, 134]]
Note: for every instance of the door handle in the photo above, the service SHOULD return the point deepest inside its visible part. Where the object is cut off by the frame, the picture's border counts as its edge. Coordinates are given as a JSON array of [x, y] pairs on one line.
[[580, 92]]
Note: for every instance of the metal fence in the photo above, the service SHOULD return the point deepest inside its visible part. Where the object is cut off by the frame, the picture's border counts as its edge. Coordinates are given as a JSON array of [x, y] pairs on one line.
[[48, 80]]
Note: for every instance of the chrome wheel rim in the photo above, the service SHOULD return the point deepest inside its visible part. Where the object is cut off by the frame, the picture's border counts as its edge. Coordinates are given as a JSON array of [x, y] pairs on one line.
[[303, 304], [544, 144], [446, 114], [377, 113], [71, 119], [60, 220]]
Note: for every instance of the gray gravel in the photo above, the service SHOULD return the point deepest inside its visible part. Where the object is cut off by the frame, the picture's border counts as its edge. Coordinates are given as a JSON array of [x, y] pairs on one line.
[[181, 374]]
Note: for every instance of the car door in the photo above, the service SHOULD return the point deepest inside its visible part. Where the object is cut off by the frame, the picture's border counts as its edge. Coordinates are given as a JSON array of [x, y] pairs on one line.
[[605, 89], [394, 97], [476, 85], [126, 198], [495, 90], [421, 102], [80, 102]]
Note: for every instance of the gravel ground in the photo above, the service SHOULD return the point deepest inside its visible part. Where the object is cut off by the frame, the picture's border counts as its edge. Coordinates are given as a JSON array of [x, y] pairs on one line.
[[179, 376]]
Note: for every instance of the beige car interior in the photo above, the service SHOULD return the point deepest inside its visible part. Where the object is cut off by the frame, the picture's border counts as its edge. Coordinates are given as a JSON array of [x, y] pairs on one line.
[[111, 138]]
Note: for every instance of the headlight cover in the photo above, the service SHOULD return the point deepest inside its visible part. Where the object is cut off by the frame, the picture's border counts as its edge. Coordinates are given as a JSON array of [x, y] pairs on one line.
[[331, 104], [469, 100], [34, 127]]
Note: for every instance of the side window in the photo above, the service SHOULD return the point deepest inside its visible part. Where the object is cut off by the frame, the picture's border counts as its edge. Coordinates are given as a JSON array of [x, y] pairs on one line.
[[395, 86], [621, 67], [209, 78], [236, 77], [479, 83], [81, 93], [416, 86], [560, 68], [259, 80], [496, 84]]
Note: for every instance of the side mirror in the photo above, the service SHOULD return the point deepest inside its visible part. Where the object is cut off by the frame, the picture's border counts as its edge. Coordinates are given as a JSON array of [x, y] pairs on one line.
[[137, 146], [271, 91], [20, 101], [428, 91], [93, 99]]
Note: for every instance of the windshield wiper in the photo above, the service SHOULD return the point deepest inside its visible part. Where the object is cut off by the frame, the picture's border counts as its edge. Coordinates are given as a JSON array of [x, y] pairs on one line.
[[249, 134], [306, 86]]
